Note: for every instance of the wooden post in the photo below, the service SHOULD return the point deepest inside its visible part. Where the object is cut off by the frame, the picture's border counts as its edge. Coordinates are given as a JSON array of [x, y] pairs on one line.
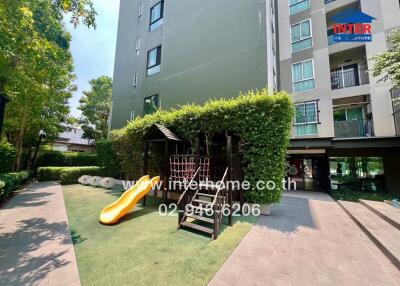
[[166, 171], [229, 155], [145, 162], [229, 163]]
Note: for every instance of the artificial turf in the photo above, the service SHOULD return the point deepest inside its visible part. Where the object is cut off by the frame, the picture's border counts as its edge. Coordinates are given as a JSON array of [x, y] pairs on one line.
[[144, 248]]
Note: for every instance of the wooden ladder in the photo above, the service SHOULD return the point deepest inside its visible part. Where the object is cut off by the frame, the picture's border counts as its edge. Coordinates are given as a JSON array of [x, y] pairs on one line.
[[202, 209]]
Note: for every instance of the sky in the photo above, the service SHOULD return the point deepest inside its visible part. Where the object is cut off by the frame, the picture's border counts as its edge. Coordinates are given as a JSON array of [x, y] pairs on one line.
[[93, 51]]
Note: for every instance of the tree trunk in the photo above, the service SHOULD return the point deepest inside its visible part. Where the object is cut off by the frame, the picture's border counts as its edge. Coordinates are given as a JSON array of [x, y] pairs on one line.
[[19, 144]]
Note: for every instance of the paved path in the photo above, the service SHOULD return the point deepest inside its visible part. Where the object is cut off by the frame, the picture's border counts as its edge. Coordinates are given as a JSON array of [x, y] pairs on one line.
[[35, 240], [308, 240]]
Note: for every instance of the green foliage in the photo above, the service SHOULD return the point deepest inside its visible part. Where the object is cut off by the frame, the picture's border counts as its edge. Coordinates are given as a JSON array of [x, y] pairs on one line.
[[262, 121], [7, 156], [387, 64], [79, 9], [107, 158], [67, 159], [36, 69], [348, 194], [71, 175], [56, 173], [12, 181], [96, 106]]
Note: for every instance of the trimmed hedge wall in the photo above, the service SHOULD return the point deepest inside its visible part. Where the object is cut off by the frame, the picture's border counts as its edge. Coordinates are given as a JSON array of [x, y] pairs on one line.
[[67, 175], [7, 156], [12, 181], [108, 159], [67, 159], [262, 121]]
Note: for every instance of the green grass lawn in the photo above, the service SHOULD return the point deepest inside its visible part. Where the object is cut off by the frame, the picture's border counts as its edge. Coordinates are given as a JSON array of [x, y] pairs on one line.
[[144, 248]]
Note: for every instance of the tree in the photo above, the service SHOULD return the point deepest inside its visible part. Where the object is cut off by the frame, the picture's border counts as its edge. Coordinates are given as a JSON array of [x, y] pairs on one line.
[[96, 107], [36, 69], [387, 64]]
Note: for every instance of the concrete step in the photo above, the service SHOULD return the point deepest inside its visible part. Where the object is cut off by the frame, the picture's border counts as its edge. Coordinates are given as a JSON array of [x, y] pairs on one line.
[[385, 211], [383, 234]]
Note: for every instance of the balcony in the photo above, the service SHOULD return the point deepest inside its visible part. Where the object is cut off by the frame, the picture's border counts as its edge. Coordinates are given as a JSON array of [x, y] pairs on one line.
[[353, 76], [353, 128]]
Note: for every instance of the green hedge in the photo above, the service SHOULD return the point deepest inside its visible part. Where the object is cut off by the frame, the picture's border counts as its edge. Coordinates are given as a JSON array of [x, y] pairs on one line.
[[108, 159], [7, 156], [71, 175], [66, 159], [262, 121], [12, 181], [66, 174]]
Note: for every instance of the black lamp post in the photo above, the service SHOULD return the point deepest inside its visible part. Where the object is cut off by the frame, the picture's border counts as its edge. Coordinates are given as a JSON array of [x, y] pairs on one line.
[[3, 101], [42, 134]]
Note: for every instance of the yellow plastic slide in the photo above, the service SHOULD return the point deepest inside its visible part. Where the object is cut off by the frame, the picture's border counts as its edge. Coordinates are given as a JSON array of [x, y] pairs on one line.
[[112, 213]]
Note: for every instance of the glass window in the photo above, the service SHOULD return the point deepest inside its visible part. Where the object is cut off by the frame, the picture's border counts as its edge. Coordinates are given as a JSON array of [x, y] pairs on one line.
[[301, 36], [137, 46], [303, 76], [151, 104], [296, 6], [153, 61], [156, 15], [135, 79], [306, 118], [140, 10], [361, 173], [132, 116]]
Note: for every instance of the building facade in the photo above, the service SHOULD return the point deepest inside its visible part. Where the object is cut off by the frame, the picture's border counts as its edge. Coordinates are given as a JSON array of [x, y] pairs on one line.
[[344, 130], [173, 52]]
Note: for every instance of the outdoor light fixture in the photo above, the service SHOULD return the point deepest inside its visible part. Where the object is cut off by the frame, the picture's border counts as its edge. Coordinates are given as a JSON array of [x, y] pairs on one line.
[[42, 135]]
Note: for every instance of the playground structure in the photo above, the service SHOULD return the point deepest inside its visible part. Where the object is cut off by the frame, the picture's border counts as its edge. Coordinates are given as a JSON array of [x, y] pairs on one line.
[[112, 213], [204, 161]]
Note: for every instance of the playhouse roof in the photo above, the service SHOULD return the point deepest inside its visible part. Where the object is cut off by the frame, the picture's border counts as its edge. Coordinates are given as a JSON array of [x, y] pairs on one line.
[[157, 129]]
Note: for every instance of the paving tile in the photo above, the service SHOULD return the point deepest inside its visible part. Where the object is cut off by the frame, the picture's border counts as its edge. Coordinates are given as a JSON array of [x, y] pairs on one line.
[[35, 239], [308, 240]]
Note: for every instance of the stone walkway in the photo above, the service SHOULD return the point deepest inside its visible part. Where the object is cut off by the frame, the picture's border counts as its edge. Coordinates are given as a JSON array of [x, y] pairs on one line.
[[308, 240], [35, 240]]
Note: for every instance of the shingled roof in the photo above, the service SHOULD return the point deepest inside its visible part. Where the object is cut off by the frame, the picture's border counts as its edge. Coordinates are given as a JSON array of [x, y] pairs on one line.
[[162, 130]]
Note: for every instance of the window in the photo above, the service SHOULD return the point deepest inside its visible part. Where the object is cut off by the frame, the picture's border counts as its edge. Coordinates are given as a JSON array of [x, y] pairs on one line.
[[135, 79], [301, 36], [306, 118], [296, 6], [140, 10], [156, 15], [154, 61], [151, 104], [303, 76], [137, 46], [132, 116]]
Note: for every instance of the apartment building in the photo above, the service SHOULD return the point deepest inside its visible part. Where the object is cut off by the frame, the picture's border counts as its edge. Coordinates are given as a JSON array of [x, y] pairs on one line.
[[344, 126], [172, 52]]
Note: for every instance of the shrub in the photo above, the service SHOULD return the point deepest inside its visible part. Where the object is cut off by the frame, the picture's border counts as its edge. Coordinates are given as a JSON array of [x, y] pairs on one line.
[[7, 156], [108, 159], [72, 173], [262, 121], [67, 159], [12, 181]]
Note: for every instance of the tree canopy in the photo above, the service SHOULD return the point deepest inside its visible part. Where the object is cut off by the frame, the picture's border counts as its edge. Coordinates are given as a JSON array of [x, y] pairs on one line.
[[96, 107], [36, 69], [387, 64]]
